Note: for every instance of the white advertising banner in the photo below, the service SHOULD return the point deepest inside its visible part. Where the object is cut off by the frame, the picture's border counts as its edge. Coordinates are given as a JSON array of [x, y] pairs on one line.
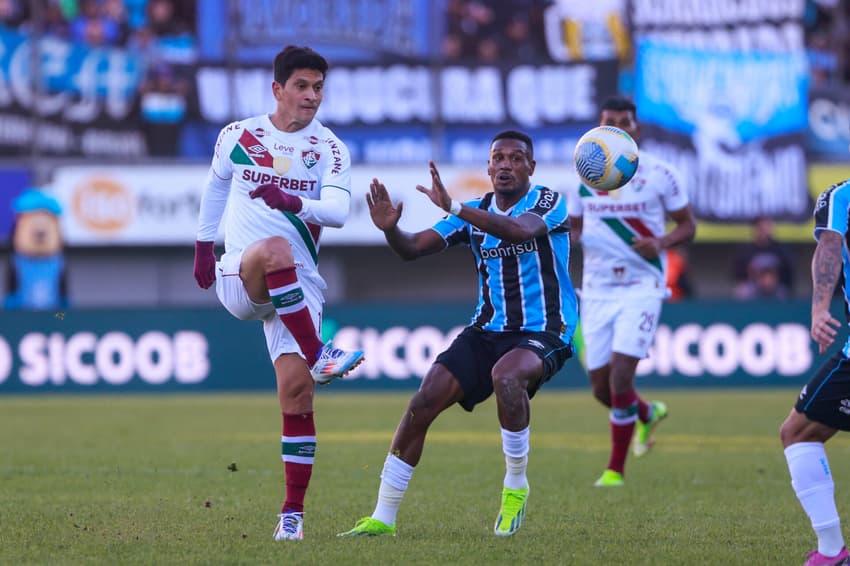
[[157, 205]]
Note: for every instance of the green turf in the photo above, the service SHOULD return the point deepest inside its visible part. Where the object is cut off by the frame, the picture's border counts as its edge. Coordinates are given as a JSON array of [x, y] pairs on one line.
[[145, 480]]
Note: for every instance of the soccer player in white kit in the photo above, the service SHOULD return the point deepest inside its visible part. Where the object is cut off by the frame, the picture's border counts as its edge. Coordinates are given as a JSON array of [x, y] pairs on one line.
[[622, 234], [283, 177]]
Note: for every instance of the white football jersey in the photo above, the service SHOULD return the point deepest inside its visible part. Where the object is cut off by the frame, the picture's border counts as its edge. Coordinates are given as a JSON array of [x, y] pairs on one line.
[[252, 152], [612, 220]]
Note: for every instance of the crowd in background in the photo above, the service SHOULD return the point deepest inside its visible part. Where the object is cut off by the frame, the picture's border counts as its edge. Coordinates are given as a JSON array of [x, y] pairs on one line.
[[476, 31], [164, 26], [163, 32], [828, 41]]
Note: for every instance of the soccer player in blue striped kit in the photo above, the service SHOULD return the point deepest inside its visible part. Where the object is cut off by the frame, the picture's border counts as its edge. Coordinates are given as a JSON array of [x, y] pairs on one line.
[[822, 407], [521, 331]]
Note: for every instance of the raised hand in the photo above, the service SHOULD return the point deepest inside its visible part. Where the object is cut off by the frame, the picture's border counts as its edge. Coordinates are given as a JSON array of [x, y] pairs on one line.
[[437, 193], [384, 214], [277, 199]]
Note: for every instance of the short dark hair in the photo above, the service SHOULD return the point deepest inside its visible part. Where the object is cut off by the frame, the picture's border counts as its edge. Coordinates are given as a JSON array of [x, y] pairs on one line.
[[293, 57], [618, 103], [516, 135]]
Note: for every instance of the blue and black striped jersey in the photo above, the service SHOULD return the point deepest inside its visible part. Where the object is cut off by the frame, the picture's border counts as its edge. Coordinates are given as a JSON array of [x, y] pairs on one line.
[[832, 212], [525, 286]]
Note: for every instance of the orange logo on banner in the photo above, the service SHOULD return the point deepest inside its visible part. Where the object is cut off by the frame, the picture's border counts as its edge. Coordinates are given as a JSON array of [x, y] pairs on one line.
[[103, 205], [469, 185]]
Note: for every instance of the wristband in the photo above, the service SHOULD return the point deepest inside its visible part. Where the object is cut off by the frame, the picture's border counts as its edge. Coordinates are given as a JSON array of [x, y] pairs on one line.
[[455, 207]]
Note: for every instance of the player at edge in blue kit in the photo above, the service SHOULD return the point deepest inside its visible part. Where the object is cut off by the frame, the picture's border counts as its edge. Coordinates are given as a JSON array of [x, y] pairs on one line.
[[821, 409]]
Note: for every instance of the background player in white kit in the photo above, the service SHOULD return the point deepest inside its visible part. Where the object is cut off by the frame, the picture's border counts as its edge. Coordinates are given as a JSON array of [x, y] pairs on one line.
[[622, 234], [283, 176]]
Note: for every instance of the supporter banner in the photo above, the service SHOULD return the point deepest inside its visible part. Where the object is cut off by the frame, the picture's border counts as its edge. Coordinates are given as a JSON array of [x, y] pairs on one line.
[[698, 344], [739, 147], [158, 204], [342, 30], [404, 94], [86, 105], [742, 25], [828, 136]]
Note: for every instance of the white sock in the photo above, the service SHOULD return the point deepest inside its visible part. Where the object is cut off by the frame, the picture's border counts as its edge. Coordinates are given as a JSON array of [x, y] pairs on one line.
[[515, 445], [812, 481], [394, 479]]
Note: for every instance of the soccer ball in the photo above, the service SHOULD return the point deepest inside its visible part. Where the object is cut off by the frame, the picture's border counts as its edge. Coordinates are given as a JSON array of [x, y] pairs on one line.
[[606, 158]]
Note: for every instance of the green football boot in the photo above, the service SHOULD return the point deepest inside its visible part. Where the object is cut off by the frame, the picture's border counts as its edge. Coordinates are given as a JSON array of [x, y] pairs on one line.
[[512, 511], [644, 436], [367, 526], [610, 478]]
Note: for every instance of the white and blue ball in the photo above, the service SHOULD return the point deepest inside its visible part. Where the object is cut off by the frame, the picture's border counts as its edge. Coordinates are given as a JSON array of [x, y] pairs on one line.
[[606, 158]]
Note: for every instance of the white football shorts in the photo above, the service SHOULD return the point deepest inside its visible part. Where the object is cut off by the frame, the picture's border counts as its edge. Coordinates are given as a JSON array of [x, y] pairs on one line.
[[623, 325], [233, 295]]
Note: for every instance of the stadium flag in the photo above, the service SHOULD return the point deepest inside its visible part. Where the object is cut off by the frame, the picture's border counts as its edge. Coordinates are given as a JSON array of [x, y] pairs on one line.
[[739, 142], [723, 94], [86, 103]]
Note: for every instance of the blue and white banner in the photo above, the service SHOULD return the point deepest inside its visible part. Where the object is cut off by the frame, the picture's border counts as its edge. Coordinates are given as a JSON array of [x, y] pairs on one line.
[[251, 31], [829, 124], [86, 104], [733, 121], [722, 25]]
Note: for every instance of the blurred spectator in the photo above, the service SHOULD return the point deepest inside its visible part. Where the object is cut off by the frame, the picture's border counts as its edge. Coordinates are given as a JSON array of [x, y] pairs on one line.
[[827, 26], [523, 30], [476, 32], [763, 280], [165, 28], [163, 105], [167, 33], [94, 26], [763, 243], [823, 60], [55, 21], [13, 12], [678, 275]]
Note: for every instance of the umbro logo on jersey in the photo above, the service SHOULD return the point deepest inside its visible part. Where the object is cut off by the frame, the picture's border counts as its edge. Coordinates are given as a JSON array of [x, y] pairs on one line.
[[536, 344], [845, 406], [249, 151]]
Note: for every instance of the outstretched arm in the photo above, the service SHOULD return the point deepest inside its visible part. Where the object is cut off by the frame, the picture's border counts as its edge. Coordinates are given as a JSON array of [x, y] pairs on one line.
[[826, 272], [385, 215], [510, 229]]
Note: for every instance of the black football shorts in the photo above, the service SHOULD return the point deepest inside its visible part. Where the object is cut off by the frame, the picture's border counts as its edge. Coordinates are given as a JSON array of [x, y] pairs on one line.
[[826, 397], [474, 352]]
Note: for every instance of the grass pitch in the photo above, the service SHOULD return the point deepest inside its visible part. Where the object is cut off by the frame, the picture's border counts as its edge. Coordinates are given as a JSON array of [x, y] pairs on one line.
[[198, 480]]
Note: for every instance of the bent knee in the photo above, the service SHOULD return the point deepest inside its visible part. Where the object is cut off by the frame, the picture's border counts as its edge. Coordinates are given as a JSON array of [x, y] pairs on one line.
[[787, 434], [797, 427], [277, 247], [422, 410]]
